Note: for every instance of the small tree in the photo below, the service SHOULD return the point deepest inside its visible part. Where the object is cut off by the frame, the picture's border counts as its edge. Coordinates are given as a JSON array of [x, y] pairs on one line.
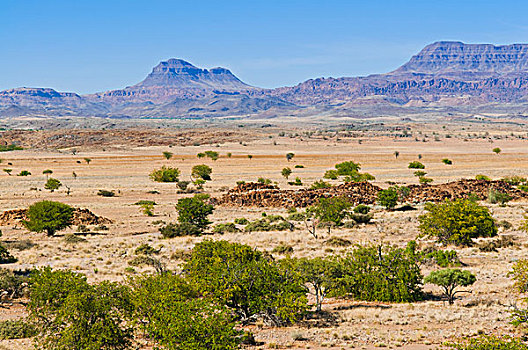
[[497, 150], [328, 211], [289, 156], [447, 161], [229, 154], [194, 210], [202, 171], [52, 184], [286, 172], [47, 172], [388, 198], [167, 155], [212, 154], [147, 208], [449, 280], [48, 216], [250, 156], [73, 314], [165, 174], [8, 171], [87, 160], [396, 154], [457, 222]]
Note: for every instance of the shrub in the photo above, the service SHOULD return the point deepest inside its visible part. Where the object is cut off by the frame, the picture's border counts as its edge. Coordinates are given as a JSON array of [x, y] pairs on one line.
[[242, 279], [48, 216], [146, 249], [362, 209], [388, 198], [331, 175], [338, 242], [447, 161], [299, 166], [144, 201], [171, 314], [296, 217], [489, 342], [377, 273], [283, 249], [241, 221], [165, 174], [11, 147], [331, 210], [212, 154], [223, 228], [496, 150], [442, 258], [15, 283], [73, 239], [194, 210], [482, 177], [361, 218], [201, 171], [495, 197], [24, 173], [457, 222], [425, 180], [297, 182], [320, 184], [262, 180], [449, 280], [106, 193], [416, 165], [183, 185], [52, 184], [268, 224], [350, 171], [16, 329], [289, 156], [70, 312], [514, 180], [180, 229]]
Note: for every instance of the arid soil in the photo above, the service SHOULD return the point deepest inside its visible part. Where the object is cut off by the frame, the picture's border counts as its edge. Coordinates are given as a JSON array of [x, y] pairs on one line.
[[123, 166]]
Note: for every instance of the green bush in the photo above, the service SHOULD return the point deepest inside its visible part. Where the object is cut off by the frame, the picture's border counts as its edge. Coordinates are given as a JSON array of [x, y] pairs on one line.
[[416, 165], [11, 147], [72, 314], [270, 223], [457, 222], [146, 249], [24, 173], [15, 283], [442, 258], [202, 171], [180, 229], [16, 329], [106, 193], [48, 216], [362, 209], [482, 177], [227, 227], [495, 196], [241, 221], [514, 180], [320, 184], [361, 218], [338, 242], [447, 161], [165, 174], [174, 318], [52, 184], [283, 249], [242, 279], [296, 217], [194, 210], [377, 273], [297, 182], [388, 198]]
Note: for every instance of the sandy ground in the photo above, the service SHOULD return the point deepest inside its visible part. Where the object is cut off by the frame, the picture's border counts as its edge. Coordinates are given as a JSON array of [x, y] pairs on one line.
[[416, 326]]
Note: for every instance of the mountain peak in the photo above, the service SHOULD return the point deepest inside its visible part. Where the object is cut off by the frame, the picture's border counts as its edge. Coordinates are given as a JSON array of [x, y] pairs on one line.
[[455, 56], [178, 73]]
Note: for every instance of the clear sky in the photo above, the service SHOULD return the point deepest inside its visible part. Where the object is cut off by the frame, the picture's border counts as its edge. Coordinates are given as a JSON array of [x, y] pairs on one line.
[[87, 46]]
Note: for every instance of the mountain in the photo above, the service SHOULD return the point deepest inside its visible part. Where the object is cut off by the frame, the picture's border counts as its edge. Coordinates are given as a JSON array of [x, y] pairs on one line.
[[446, 57], [443, 76]]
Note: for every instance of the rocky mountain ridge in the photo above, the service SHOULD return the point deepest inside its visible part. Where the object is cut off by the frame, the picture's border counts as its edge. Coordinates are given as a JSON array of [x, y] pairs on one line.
[[443, 74]]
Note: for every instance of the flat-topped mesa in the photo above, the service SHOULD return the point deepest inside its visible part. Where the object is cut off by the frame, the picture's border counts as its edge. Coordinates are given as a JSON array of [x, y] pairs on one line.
[[450, 56], [178, 73]]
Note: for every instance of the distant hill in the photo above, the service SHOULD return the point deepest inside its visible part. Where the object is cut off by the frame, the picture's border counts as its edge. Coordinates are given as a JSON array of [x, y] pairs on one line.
[[444, 74]]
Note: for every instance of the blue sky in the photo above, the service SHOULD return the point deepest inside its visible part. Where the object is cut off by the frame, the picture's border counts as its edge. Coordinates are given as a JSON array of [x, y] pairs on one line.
[[87, 46]]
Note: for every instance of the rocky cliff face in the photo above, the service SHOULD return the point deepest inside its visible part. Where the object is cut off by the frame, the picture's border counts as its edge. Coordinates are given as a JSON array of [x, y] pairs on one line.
[[446, 57]]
